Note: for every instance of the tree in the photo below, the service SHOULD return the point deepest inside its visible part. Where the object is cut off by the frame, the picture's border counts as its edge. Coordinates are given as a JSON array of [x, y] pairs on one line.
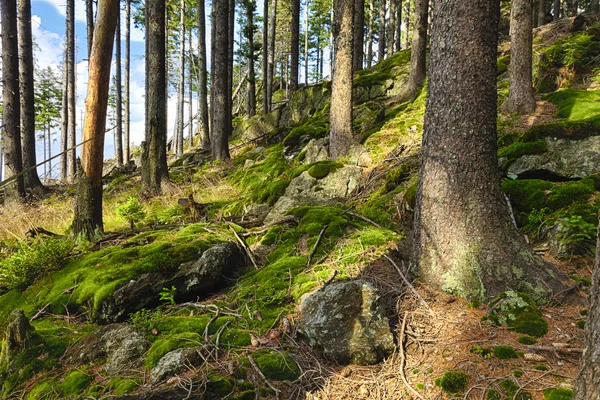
[[203, 126], [398, 25], [219, 81], [64, 124], [249, 30], [341, 136], [381, 40], [556, 9], [294, 44], [48, 99], [178, 133], [541, 17], [89, 19], [271, 60], [71, 109], [265, 56], [465, 241], [30, 177], [596, 6], [521, 98], [127, 79], [574, 8], [359, 33], [306, 35], [88, 207], [391, 28], [119, 93], [11, 115], [370, 33], [418, 55]]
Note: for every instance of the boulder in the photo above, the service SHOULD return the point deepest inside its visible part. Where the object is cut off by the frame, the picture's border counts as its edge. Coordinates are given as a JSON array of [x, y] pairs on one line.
[[565, 158], [122, 345], [192, 280], [177, 361], [316, 150], [346, 320]]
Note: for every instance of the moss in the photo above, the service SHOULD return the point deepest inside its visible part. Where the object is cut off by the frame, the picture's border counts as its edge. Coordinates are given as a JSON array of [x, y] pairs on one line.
[[574, 130], [74, 383], [493, 394], [397, 176], [246, 395], [235, 338], [218, 387], [540, 367], [504, 352], [420, 386], [502, 64], [531, 324], [41, 391], [519, 149], [321, 169], [369, 78], [482, 351], [584, 280], [558, 394], [583, 312], [510, 387], [581, 324], [526, 340], [162, 346], [517, 373], [519, 312], [576, 105], [277, 366], [120, 386], [453, 381]]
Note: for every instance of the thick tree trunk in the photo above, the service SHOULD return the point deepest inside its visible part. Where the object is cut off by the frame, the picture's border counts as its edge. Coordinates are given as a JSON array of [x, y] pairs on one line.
[[190, 91], [370, 33], [359, 34], [541, 16], [11, 145], [587, 385], [398, 26], [71, 93], [391, 28], [118, 97], [418, 56], [521, 98], [230, 43], [465, 241], [127, 80], [306, 34], [294, 44], [89, 20], [265, 55], [220, 80], [251, 99], [154, 147], [203, 126], [88, 207], [341, 137], [556, 9], [271, 68], [30, 177], [180, 82], [407, 25], [381, 41]]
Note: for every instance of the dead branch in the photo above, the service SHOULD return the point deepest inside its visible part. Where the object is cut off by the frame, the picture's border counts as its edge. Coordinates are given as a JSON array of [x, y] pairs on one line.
[[245, 247], [403, 360], [259, 372], [314, 250]]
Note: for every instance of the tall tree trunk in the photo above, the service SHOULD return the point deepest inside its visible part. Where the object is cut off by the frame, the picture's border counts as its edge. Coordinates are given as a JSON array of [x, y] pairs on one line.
[[541, 16], [306, 35], [49, 152], [180, 82], [119, 91], [154, 147], [574, 8], [127, 79], [595, 6], [220, 80], [251, 99], [407, 25], [418, 56], [271, 68], [203, 126], [71, 93], [190, 91], [370, 33], [341, 136], [556, 9], [265, 55], [89, 20], [30, 177], [88, 207], [331, 43], [391, 28], [359, 34], [64, 120], [521, 98], [230, 44], [381, 41], [294, 44], [465, 241], [399, 25], [11, 113]]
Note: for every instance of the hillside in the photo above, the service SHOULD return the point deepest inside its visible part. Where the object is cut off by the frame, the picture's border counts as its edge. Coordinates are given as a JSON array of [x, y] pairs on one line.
[[202, 298]]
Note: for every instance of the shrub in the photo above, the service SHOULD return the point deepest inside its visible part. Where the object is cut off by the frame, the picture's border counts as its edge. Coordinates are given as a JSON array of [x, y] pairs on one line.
[[132, 211], [578, 235]]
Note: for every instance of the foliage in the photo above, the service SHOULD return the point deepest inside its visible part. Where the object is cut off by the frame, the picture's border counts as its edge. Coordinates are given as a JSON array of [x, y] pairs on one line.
[[168, 295], [519, 312], [453, 381], [558, 394], [132, 211], [145, 320], [578, 234]]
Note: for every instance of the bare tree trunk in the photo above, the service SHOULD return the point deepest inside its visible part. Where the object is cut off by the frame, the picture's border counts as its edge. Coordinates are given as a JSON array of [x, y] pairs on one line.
[[89, 19], [180, 83], [407, 25], [88, 207], [465, 241], [359, 34], [265, 56], [30, 177], [595, 6], [71, 93], [294, 44], [49, 153], [64, 121], [251, 99], [331, 44], [541, 16], [220, 80], [391, 28], [381, 41], [154, 147], [418, 57], [341, 136], [574, 8], [230, 44], [306, 35], [203, 126], [190, 91], [399, 25], [11, 113], [521, 98], [127, 80], [370, 34], [271, 69], [556, 9], [118, 97]]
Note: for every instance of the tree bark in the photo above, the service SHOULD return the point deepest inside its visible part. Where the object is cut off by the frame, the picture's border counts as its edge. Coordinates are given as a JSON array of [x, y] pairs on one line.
[[89, 20], [30, 177], [381, 41], [154, 147], [265, 55], [294, 44], [203, 126], [595, 6], [521, 98], [418, 56], [465, 241], [359, 34], [370, 34], [271, 67], [398, 25], [190, 91], [306, 34], [556, 11], [64, 119], [118, 96], [230, 43], [71, 109], [180, 82], [11, 113], [251, 99], [541, 16], [391, 28], [127, 80], [220, 80], [88, 207], [341, 136], [407, 25]]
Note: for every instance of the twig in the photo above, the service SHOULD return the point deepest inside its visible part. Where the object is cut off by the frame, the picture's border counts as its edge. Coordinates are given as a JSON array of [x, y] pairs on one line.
[[403, 359], [210, 322], [412, 288], [314, 250], [370, 221], [331, 277], [577, 285], [259, 372], [285, 220], [40, 313], [555, 348], [244, 246]]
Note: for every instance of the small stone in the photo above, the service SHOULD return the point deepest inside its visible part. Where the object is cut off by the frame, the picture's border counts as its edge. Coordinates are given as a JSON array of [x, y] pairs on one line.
[[364, 391], [534, 357], [346, 372]]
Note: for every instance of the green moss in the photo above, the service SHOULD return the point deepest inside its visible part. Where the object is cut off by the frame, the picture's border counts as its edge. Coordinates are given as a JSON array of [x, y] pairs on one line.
[[581, 324], [482, 351], [372, 78], [526, 340], [583, 312], [218, 387], [519, 149], [517, 373], [41, 391], [584, 280], [493, 394], [504, 352], [540, 367], [502, 64], [162, 346], [420, 386], [558, 394], [574, 130], [532, 324], [277, 366], [321, 169], [74, 383], [519, 312], [453, 381], [120, 386], [576, 105]]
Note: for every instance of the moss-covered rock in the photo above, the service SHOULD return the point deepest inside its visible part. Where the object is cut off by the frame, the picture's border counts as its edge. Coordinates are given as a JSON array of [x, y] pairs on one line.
[[558, 394], [519, 312], [504, 352], [277, 366]]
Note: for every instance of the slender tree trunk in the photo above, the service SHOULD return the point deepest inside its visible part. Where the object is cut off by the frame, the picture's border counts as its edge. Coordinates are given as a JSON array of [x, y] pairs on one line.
[[306, 35], [64, 119], [71, 93], [46, 132], [88, 208], [127, 80], [370, 34], [574, 8], [391, 28], [418, 57], [595, 6], [541, 16], [15, 191], [203, 126], [465, 241], [190, 91], [381, 41], [230, 44], [118, 97], [49, 153], [154, 147], [265, 56], [251, 100], [89, 19], [359, 34], [521, 98], [294, 44], [556, 9], [31, 178], [180, 82], [220, 80], [407, 25], [271, 68], [331, 43], [342, 137], [399, 25]]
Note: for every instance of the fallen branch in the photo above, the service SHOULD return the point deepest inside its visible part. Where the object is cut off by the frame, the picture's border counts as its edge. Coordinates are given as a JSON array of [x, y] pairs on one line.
[[40, 313], [213, 319], [403, 360], [555, 349], [259, 372], [314, 250], [363, 218], [245, 247], [284, 220]]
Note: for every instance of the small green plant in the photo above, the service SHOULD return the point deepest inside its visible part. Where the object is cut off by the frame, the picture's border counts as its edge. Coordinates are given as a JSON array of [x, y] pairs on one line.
[[504, 352], [168, 295], [578, 235], [453, 381], [132, 211], [482, 351], [144, 319], [526, 340]]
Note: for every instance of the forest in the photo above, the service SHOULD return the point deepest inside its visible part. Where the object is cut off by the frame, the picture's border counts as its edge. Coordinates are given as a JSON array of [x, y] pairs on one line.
[[346, 199]]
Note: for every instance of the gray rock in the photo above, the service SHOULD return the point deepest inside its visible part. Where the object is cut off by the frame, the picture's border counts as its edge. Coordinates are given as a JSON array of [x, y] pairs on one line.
[[553, 238], [122, 345], [177, 361], [346, 321], [316, 150], [565, 158]]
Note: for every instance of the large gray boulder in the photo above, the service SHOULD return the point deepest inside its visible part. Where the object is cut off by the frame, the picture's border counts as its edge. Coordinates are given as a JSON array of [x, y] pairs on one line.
[[177, 361], [122, 345], [347, 322], [565, 158]]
